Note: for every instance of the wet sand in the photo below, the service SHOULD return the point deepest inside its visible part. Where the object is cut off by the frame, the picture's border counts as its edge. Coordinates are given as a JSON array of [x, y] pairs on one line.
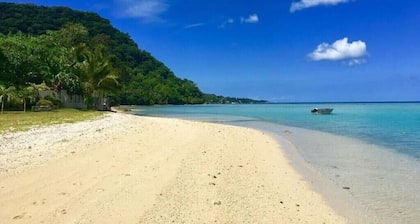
[[364, 182], [130, 169]]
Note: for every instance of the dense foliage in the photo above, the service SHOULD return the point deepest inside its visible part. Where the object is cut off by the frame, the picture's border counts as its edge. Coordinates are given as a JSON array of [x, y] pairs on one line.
[[82, 53]]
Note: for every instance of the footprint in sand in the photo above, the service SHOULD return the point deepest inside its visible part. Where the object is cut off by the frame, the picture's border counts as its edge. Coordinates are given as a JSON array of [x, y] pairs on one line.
[[60, 212], [217, 203], [63, 211], [64, 194], [42, 202], [21, 216], [77, 184]]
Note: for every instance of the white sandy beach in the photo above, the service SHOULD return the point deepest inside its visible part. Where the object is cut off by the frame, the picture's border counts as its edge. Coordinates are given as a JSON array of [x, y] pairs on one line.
[[130, 169]]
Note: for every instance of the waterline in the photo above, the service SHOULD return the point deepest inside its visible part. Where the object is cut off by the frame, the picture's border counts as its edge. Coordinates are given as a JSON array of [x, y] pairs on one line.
[[364, 182], [372, 175]]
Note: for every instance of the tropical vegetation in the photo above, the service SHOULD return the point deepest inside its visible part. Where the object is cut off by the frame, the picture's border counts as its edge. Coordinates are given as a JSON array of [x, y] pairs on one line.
[[58, 48]]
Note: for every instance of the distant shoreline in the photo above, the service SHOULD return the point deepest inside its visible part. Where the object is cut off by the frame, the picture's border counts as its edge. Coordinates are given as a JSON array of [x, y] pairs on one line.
[[342, 102]]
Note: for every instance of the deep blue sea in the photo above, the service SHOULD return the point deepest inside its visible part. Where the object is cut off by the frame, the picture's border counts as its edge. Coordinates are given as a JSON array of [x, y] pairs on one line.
[[364, 157]]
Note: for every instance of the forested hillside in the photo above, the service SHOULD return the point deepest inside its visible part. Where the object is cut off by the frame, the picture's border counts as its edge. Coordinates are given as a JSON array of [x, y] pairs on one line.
[[82, 53]]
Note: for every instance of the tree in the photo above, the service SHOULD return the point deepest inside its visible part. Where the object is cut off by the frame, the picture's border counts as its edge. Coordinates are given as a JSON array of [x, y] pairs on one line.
[[65, 51], [23, 59], [72, 34], [2, 96], [4, 67], [26, 94], [97, 75], [70, 70], [53, 46], [5, 93]]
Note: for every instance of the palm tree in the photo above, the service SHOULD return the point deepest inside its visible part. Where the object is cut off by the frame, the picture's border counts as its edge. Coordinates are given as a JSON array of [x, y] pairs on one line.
[[27, 93], [98, 74], [5, 93]]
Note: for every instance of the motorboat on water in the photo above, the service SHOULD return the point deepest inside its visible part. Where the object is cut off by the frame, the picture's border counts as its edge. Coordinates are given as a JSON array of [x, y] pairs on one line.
[[322, 110]]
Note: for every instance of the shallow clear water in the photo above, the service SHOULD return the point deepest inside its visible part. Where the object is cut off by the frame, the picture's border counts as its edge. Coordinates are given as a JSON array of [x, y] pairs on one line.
[[364, 158], [394, 125]]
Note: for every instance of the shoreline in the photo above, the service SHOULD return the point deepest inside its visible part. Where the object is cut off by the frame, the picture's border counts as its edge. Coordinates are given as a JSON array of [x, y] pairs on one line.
[[343, 203], [147, 170], [356, 178]]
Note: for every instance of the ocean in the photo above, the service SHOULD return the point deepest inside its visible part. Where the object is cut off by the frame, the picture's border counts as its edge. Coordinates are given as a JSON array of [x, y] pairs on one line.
[[364, 158]]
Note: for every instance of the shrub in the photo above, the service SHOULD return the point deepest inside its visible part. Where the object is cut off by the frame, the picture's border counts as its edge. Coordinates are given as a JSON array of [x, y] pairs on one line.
[[54, 100], [44, 102]]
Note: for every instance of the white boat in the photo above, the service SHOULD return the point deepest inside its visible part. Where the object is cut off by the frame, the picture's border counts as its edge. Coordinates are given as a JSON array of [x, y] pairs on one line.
[[322, 110]]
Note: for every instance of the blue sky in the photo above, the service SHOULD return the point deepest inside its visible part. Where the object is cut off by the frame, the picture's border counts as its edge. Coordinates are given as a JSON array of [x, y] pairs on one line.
[[279, 50]]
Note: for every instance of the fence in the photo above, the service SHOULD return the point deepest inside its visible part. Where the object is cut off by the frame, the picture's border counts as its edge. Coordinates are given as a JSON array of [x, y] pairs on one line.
[[71, 101]]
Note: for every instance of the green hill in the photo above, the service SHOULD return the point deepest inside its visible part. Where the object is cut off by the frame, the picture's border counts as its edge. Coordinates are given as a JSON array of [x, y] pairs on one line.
[[60, 45]]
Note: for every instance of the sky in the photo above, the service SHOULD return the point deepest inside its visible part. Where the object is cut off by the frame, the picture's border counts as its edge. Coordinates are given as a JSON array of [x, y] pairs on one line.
[[278, 50]]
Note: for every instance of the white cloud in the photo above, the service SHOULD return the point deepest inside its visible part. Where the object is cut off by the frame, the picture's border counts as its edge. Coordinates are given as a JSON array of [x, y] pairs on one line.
[[193, 25], [341, 50], [146, 10], [303, 4], [228, 21], [251, 19], [356, 61]]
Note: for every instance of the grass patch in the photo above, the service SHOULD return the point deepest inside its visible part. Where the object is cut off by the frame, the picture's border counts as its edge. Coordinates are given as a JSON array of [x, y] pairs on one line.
[[12, 121]]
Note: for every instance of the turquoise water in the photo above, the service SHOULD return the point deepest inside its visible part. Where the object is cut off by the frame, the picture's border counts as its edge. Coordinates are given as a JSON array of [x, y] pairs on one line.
[[364, 158], [393, 125]]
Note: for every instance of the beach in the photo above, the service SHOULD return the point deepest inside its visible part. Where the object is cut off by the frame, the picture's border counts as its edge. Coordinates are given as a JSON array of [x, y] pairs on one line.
[[131, 169]]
